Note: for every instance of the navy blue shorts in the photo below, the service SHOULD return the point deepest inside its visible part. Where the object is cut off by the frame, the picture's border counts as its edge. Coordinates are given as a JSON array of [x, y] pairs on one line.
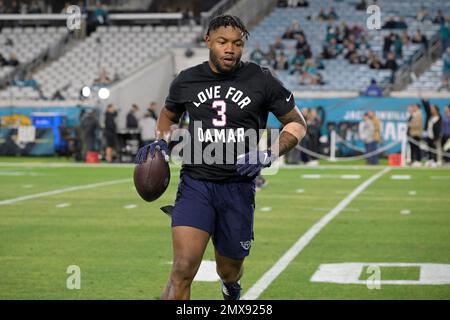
[[224, 210]]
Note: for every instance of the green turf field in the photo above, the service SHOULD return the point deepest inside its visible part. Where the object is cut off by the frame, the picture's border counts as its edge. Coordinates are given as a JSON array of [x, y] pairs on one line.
[[52, 217]]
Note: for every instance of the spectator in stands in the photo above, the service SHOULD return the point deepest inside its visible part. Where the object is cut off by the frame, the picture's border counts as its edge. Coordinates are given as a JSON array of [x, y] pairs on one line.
[[406, 39], [293, 30], [445, 136], [361, 5], [332, 15], [332, 33], [343, 32], [393, 23], [401, 24], [103, 78], [391, 63], [302, 3], [445, 70], [279, 45], [101, 14], [331, 50], [66, 7], [271, 55], [310, 72], [398, 47], [433, 130], [34, 7], [420, 38], [257, 55], [14, 8], [373, 90], [440, 18], [322, 16], [12, 61], [444, 34], [414, 132], [281, 62], [132, 118], [366, 134], [301, 44], [110, 131], [387, 44], [390, 24], [2, 8], [351, 54], [422, 15], [375, 62], [147, 126], [297, 62]]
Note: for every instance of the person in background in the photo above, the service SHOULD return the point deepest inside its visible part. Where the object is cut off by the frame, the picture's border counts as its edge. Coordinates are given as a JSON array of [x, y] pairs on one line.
[[152, 110], [132, 119], [445, 70], [445, 134], [110, 131], [314, 124], [373, 90], [89, 125], [376, 135], [433, 130], [257, 55], [281, 63], [366, 133], [147, 126], [414, 132], [444, 34]]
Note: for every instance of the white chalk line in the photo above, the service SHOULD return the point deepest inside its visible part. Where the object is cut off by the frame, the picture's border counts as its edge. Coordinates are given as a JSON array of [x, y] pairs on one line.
[[58, 191], [263, 283]]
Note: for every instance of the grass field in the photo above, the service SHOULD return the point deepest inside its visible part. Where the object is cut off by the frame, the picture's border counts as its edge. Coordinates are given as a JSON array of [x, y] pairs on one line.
[[55, 216]]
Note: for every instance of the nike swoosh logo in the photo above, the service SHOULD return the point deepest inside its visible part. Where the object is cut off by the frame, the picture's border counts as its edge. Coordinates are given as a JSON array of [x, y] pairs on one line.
[[196, 103], [265, 156], [287, 99]]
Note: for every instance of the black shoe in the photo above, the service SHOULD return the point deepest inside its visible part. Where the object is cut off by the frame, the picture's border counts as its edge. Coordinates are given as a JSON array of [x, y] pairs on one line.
[[231, 291]]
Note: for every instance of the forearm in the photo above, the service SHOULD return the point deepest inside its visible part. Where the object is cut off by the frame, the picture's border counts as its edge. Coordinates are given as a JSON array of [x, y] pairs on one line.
[[165, 121], [290, 136], [294, 129]]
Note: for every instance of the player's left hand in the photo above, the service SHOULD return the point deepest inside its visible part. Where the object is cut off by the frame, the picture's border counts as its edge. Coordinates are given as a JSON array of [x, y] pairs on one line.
[[250, 164]]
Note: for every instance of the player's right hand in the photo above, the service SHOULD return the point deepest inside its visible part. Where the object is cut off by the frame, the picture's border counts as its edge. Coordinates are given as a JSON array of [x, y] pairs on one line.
[[161, 145]]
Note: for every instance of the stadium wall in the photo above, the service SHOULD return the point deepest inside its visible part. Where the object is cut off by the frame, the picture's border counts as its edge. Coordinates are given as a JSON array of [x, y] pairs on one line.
[[144, 86], [348, 112]]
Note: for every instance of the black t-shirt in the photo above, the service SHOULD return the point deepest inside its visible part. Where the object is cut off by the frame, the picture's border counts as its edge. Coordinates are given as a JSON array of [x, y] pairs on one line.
[[225, 106]]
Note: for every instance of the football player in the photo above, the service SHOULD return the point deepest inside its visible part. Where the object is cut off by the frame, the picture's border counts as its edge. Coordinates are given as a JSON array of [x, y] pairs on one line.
[[226, 97]]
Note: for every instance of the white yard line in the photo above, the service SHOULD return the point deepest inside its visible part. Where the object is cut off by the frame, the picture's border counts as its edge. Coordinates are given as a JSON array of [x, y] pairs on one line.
[[58, 191], [255, 291]]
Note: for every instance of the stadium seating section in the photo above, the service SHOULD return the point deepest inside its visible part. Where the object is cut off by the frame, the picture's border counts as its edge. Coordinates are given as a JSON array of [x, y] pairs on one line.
[[339, 74], [122, 50], [119, 50]]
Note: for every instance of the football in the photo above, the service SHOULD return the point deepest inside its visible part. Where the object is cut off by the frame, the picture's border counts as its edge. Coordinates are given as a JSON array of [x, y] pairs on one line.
[[152, 177]]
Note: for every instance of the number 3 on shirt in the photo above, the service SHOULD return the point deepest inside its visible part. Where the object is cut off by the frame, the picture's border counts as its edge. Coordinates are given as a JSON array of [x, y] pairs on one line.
[[221, 107]]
